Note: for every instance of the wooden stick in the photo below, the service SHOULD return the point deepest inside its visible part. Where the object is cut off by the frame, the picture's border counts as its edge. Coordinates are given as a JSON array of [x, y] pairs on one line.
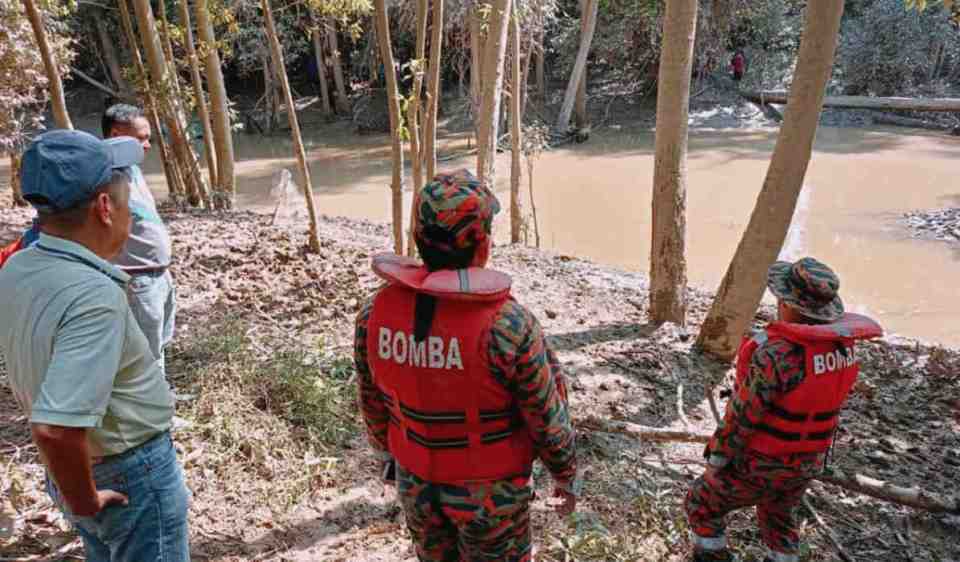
[[683, 416], [713, 407]]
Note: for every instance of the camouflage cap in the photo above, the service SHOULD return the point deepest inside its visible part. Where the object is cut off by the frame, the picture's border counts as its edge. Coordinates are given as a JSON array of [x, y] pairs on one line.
[[455, 211], [808, 286]]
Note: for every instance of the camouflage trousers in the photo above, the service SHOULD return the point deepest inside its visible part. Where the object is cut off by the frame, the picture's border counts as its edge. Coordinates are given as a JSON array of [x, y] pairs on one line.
[[774, 489], [477, 522]]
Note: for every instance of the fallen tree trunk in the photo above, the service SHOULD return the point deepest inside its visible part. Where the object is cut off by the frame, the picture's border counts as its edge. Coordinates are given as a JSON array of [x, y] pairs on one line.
[[863, 102], [914, 497], [899, 121]]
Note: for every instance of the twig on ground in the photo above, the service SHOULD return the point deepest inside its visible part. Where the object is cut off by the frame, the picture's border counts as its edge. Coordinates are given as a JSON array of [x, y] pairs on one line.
[[713, 407], [683, 416], [827, 531]]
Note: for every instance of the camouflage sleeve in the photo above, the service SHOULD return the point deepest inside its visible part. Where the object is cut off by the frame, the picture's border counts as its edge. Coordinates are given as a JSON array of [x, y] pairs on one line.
[[375, 413], [521, 360], [774, 368]]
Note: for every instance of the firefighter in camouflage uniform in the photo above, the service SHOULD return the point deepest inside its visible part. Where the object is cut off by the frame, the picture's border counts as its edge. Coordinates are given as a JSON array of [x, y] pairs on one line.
[[792, 379], [458, 388]]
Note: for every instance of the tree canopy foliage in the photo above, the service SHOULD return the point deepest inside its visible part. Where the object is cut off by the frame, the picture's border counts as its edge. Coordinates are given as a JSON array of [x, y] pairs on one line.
[[23, 82]]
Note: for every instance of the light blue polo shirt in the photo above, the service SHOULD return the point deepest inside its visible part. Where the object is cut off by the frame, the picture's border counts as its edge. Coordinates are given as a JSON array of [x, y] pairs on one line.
[[75, 354]]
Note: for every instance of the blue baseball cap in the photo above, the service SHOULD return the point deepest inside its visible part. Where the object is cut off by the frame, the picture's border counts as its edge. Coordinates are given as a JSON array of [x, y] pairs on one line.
[[63, 168]]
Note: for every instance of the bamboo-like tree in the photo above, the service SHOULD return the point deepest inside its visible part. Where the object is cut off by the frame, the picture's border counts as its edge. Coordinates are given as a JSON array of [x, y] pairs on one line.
[[590, 8], [170, 169], [413, 118], [57, 100], [341, 100], [276, 52], [382, 22], [169, 105], [321, 71], [516, 141], [745, 281], [226, 188], [668, 262], [493, 57], [209, 146], [433, 90]]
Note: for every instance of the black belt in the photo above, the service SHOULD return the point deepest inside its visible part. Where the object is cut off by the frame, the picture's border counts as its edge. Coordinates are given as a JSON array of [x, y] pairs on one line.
[[134, 271]]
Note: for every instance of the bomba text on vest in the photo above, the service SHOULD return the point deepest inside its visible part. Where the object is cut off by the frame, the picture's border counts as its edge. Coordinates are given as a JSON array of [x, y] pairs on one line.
[[834, 360], [432, 353]]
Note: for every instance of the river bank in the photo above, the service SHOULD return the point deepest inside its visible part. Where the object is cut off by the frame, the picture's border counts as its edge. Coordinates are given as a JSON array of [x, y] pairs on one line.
[[280, 469]]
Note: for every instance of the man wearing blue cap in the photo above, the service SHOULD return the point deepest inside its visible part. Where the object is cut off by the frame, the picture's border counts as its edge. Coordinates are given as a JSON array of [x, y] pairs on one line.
[[147, 254], [95, 394]]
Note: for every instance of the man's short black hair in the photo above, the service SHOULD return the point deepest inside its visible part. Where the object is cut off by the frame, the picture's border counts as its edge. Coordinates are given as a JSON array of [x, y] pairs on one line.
[[122, 113]]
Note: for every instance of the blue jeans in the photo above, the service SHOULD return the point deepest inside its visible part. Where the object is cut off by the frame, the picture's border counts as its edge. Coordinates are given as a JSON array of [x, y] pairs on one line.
[[153, 300], [153, 526]]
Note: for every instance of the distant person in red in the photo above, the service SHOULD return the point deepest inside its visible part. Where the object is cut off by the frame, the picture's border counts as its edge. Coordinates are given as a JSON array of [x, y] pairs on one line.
[[739, 65]]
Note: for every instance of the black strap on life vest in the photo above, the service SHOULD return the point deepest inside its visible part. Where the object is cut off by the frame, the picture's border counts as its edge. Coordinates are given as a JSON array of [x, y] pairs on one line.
[[796, 417], [452, 418], [455, 442]]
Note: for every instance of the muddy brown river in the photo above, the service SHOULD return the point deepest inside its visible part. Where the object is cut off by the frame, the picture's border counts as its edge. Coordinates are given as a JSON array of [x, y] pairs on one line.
[[593, 201]]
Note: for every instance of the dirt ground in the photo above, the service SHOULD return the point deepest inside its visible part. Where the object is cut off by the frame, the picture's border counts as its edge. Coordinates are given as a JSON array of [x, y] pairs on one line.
[[279, 466]]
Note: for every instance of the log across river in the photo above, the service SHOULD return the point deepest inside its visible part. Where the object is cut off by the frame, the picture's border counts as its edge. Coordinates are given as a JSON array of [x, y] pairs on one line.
[[594, 202]]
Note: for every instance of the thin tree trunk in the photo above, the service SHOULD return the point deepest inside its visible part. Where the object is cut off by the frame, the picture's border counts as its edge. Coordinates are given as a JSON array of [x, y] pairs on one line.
[[476, 66], [270, 97], [276, 50], [525, 78], [433, 90], [540, 71], [174, 74], [668, 262], [225, 191], [413, 119], [580, 111], [579, 67], [110, 54], [745, 280], [321, 72], [393, 102], [57, 99], [516, 171], [15, 158], [341, 100], [175, 186], [494, 53], [533, 202], [189, 167], [209, 148]]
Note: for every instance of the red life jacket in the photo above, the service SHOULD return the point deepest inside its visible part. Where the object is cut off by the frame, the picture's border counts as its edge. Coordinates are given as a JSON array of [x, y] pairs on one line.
[[9, 250], [804, 419], [451, 421]]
